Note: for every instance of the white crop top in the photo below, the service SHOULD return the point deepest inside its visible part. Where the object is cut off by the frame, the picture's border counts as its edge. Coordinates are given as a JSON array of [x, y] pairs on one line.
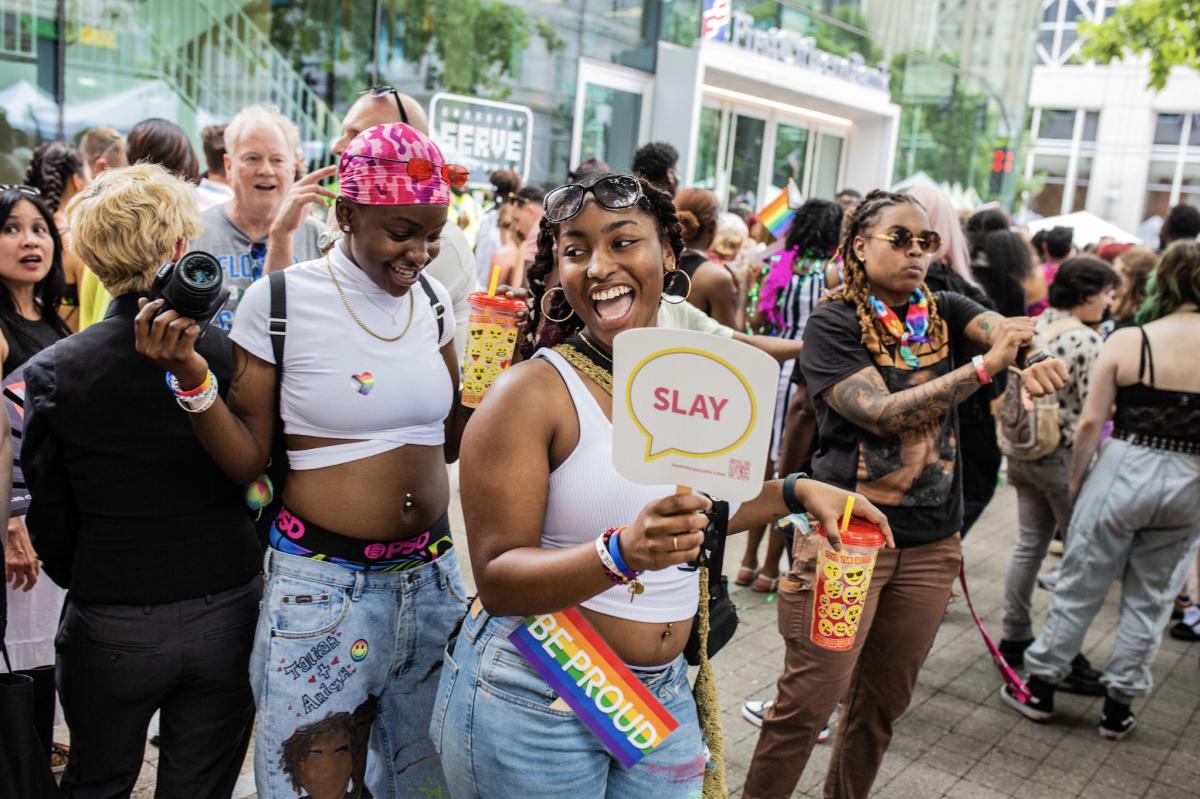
[[341, 382], [587, 496]]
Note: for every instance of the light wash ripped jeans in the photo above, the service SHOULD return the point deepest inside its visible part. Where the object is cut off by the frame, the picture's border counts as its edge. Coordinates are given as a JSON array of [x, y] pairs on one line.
[[344, 672], [499, 736], [1135, 520]]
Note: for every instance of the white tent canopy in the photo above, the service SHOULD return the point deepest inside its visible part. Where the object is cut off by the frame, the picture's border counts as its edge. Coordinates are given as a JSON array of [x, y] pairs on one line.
[[1089, 228]]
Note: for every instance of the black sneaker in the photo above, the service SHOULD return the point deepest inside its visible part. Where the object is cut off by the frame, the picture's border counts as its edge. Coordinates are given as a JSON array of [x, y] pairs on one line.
[[1014, 652], [1040, 706], [1083, 679], [1116, 720], [1182, 631]]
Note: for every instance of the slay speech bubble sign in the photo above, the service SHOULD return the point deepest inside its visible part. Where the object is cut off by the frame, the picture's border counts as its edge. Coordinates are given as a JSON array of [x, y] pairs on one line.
[[692, 409]]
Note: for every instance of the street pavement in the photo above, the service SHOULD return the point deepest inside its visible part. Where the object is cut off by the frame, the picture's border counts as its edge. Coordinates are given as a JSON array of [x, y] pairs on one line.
[[957, 739]]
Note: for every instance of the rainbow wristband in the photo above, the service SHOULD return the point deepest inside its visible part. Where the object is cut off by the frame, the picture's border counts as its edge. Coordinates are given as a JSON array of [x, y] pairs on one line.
[[173, 384], [614, 549]]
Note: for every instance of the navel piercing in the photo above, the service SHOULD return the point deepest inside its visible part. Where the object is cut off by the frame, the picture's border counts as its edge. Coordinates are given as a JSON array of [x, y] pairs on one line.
[[408, 503]]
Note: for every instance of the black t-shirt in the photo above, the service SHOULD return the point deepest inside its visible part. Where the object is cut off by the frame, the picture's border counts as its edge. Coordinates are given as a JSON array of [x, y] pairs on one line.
[[913, 477]]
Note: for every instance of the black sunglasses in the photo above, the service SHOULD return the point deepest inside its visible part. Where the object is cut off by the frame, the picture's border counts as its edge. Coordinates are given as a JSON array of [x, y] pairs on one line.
[[28, 191], [380, 91], [614, 192], [902, 238]]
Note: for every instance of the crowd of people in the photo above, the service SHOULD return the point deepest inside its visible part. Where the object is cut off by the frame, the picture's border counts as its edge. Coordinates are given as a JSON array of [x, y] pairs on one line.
[[240, 518]]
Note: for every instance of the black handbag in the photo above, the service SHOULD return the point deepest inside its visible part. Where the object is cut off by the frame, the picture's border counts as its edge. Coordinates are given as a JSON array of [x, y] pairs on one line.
[[722, 614], [26, 726]]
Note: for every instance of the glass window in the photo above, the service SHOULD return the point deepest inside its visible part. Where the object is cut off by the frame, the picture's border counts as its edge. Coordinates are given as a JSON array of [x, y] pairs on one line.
[[1050, 14], [1052, 171], [1046, 40], [1168, 129], [707, 143], [1194, 135], [1091, 122], [1189, 186], [791, 150], [746, 160], [829, 160], [1057, 124], [1158, 189], [613, 144], [1075, 10], [1069, 35], [1083, 174]]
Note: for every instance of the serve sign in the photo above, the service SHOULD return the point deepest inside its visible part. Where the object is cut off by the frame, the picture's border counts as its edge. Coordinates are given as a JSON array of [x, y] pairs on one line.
[[692, 409]]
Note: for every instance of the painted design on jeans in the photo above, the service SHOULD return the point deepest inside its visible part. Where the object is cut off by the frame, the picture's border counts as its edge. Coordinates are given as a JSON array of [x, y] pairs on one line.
[[327, 759], [358, 650], [363, 382], [334, 682], [312, 659]]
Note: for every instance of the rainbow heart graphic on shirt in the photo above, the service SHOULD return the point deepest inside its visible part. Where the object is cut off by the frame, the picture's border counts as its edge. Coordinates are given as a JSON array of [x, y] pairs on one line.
[[364, 382]]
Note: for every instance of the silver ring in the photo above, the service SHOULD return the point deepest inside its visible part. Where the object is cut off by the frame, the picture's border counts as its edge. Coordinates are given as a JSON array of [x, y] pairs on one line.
[[674, 544]]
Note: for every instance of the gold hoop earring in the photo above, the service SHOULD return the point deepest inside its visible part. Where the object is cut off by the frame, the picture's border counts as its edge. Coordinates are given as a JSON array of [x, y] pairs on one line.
[[686, 295], [546, 314]]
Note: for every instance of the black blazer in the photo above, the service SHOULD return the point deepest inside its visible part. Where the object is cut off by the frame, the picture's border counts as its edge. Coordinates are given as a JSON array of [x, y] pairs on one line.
[[127, 507]]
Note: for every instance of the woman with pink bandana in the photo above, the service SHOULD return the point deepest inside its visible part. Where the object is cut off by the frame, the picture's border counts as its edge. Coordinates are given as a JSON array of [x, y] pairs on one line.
[[363, 588]]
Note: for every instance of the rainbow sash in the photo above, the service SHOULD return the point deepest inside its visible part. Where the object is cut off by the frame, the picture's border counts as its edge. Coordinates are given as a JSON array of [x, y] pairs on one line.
[[586, 674]]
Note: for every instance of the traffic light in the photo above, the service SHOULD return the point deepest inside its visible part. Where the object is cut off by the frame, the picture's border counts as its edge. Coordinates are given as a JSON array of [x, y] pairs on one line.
[[1002, 164]]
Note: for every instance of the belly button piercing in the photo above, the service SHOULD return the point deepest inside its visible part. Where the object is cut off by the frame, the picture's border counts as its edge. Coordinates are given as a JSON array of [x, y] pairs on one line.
[[408, 503]]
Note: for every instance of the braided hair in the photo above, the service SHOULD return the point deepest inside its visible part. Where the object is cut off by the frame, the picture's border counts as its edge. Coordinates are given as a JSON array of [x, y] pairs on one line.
[[653, 201], [53, 164], [856, 288]]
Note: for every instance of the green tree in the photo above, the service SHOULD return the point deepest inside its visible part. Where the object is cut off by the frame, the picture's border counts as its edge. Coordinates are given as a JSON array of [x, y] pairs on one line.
[[1169, 30]]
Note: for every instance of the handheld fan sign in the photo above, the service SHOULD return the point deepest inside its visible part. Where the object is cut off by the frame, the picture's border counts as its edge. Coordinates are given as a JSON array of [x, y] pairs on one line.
[[692, 409]]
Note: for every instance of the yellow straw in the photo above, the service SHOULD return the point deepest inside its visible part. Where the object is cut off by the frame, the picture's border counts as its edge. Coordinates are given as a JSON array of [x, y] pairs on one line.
[[846, 513], [495, 279]]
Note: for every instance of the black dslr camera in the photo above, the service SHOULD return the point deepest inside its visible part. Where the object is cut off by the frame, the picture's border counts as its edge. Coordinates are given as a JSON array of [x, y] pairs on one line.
[[192, 286]]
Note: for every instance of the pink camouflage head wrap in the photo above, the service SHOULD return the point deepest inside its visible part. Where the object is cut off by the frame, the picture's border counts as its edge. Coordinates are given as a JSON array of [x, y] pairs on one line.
[[370, 174]]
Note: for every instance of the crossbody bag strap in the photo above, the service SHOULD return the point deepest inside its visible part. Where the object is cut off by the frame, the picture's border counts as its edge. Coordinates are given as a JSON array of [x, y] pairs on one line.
[[277, 324], [439, 310]]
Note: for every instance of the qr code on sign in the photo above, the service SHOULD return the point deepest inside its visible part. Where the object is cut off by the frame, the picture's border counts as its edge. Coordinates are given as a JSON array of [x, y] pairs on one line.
[[739, 469]]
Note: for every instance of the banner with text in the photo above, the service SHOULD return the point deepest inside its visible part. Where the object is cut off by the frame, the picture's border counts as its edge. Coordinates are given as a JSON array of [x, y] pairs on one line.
[[482, 135]]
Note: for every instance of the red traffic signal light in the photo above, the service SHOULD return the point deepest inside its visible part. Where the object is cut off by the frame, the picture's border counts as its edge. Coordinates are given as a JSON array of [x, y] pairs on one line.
[[1002, 160]]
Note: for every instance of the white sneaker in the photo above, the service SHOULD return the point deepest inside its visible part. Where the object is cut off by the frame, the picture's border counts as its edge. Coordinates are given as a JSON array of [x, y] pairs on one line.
[[1049, 580], [754, 710]]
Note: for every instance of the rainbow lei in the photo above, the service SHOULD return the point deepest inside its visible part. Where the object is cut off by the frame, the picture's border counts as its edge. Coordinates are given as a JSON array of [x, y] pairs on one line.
[[915, 327]]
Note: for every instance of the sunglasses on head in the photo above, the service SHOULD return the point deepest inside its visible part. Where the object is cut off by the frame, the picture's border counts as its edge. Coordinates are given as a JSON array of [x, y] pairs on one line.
[[28, 191], [422, 169], [902, 238], [381, 91], [615, 192]]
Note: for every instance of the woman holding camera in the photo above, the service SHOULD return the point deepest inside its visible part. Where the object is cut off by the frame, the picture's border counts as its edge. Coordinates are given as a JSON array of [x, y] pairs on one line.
[[538, 525], [363, 588], [149, 537]]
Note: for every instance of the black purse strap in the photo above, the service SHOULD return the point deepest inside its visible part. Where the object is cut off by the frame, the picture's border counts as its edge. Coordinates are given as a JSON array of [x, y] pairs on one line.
[[277, 323]]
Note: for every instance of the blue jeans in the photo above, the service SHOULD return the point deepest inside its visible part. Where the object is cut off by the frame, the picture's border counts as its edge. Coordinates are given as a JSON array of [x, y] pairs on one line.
[[499, 733], [344, 672]]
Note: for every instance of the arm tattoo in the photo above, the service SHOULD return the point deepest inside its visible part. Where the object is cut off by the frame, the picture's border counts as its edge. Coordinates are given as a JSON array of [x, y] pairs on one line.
[[864, 399], [982, 329]]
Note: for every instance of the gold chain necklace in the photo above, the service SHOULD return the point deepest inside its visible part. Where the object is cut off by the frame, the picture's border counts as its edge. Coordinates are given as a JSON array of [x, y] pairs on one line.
[[354, 316]]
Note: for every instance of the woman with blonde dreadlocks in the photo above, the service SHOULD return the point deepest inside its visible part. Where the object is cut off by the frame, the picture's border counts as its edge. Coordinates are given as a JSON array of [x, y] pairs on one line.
[[887, 363]]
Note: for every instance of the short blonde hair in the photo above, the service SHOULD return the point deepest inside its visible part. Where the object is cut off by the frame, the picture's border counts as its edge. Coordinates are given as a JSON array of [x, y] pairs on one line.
[[730, 236], [125, 224], [261, 116]]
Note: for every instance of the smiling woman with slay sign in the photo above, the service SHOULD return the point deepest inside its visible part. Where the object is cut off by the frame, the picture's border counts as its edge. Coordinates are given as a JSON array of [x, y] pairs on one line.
[[554, 527]]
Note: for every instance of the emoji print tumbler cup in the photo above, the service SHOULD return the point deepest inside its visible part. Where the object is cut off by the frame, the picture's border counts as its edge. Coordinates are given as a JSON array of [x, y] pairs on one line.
[[491, 339], [843, 578]]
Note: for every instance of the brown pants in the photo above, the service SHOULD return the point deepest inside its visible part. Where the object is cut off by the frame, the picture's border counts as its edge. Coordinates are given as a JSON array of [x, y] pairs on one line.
[[874, 681]]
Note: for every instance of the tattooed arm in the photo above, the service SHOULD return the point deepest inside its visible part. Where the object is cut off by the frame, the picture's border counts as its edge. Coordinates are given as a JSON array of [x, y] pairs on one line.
[[863, 398], [237, 431]]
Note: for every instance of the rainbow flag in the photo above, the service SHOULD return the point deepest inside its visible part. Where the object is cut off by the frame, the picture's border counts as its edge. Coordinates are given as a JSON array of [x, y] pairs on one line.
[[586, 674], [778, 214]]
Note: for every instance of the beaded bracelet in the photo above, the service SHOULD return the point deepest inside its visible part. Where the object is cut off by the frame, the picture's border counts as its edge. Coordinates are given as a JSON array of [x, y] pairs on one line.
[[620, 576], [201, 403]]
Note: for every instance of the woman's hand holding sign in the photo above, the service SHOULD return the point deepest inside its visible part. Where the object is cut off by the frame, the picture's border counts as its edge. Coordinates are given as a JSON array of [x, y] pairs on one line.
[[667, 532]]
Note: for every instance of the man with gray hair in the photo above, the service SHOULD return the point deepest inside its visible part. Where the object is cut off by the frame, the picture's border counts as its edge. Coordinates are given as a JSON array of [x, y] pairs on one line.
[[266, 224]]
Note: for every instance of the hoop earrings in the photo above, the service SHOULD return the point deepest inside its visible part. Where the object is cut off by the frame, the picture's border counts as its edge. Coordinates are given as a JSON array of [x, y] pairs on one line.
[[542, 306], [670, 274]]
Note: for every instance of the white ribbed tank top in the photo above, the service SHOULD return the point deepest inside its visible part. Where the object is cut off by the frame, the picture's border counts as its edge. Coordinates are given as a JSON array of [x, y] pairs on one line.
[[587, 496]]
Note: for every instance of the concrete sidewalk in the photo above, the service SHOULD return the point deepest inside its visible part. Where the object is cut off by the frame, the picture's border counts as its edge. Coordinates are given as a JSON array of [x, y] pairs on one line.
[[957, 739]]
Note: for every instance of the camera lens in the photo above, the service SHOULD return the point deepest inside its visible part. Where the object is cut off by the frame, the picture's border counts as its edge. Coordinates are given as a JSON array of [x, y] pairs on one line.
[[199, 272]]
